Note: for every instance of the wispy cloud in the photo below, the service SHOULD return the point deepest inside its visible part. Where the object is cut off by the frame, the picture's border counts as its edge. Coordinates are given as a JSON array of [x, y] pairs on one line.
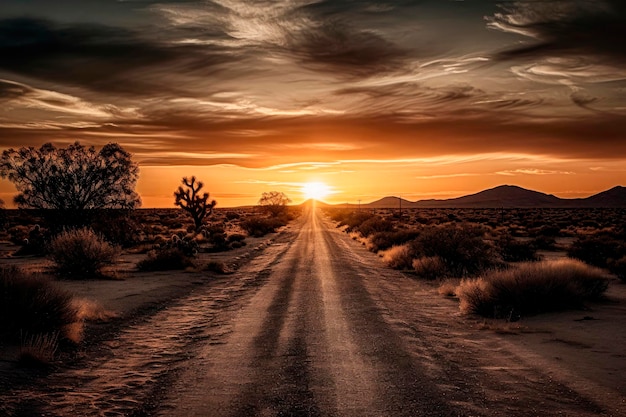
[[533, 171]]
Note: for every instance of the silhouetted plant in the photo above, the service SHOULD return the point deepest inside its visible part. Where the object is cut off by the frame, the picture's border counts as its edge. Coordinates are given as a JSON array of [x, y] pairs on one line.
[[274, 202], [259, 226], [514, 250], [165, 259], [71, 183], [32, 304], [81, 254], [190, 200]]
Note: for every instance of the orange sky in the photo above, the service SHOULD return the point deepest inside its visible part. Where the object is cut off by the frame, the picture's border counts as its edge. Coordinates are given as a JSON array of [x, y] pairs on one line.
[[373, 98]]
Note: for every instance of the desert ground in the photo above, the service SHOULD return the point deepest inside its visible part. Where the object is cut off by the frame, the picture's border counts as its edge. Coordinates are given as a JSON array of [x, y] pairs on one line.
[[311, 323]]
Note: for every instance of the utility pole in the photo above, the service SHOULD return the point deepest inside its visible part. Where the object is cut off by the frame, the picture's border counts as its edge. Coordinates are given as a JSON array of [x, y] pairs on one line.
[[359, 204]]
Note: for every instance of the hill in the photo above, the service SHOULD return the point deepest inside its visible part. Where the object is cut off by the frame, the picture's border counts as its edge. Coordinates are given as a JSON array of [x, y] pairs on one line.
[[511, 196]]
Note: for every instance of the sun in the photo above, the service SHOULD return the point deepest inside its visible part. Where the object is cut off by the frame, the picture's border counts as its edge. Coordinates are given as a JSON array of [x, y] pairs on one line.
[[315, 190]]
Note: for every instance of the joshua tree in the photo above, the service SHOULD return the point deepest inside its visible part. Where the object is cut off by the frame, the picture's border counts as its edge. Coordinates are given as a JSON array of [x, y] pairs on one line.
[[190, 200]]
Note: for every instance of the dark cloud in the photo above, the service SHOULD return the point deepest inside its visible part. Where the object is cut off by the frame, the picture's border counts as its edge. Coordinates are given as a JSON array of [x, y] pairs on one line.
[[99, 58], [335, 8], [565, 28], [341, 49]]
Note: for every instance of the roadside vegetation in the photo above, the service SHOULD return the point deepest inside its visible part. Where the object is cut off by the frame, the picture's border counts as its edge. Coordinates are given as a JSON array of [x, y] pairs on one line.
[[77, 207], [36, 314], [532, 288], [491, 260]]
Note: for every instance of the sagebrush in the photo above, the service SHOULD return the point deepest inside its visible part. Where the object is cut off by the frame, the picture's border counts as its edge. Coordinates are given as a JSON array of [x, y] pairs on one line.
[[33, 305], [82, 253], [531, 288]]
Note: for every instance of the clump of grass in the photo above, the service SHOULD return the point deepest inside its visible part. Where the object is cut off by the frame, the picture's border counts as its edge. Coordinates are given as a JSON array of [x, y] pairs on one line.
[[217, 267], [165, 260], [430, 267], [532, 288], [38, 350], [32, 304], [448, 288], [261, 226], [398, 257], [81, 253]]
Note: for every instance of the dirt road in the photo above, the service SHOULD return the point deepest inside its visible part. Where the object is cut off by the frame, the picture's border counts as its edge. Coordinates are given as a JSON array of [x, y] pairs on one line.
[[317, 326]]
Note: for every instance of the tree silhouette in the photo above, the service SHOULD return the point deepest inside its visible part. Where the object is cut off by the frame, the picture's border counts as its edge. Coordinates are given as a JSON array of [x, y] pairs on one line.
[[75, 178], [274, 202], [190, 200]]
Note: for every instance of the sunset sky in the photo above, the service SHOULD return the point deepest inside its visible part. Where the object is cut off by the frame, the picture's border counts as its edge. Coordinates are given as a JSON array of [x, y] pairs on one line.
[[418, 98]]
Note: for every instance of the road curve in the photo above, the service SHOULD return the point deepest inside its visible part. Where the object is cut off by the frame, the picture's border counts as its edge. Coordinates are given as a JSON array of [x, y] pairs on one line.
[[333, 333]]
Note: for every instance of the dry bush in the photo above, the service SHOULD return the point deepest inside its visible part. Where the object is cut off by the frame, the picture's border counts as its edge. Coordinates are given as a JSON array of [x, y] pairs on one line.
[[32, 304], [81, 253], [532, 288], [373, 225], [384, 240], [448, 288], [217, 267], [38, 350], [461, 248], [261, 226], [430, 267], [165, 260], [398, 257]]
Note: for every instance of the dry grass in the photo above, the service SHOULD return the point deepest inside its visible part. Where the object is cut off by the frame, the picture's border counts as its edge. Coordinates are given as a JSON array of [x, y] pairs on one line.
[[32, 304], [532, 288], [38, 350], [398, 257], [82, 253], [448, 288]]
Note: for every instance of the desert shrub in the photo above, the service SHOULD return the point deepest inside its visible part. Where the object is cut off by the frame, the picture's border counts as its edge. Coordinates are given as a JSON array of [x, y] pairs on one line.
[[117, 226], [231, 215], [81, 253], [38, 350], [603, 250], [236, 237], [532, 288], [32, 305], [514, 250], [448, 288], [462, 249], [187, 246], [165, 259], [35, 243], [398, 257], [430, 267], [618, 267], [260, 226], [217, 267], [544, 242], [373, 225], [384, 240]]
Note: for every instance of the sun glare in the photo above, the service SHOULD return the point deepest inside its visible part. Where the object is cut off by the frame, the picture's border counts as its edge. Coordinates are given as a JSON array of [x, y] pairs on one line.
[[315, 190]]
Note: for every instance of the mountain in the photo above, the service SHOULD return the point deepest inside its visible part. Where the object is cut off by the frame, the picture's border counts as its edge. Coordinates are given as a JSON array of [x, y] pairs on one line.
[[512, 196], [502, 196], [394, 202]]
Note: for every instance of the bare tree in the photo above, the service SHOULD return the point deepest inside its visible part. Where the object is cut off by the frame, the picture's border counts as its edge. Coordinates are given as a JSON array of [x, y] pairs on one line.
[[190, 200], [75, 178], [275, 202]]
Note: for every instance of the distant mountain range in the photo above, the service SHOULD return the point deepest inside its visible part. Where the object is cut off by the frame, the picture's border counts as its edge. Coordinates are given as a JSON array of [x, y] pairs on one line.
[[511, 196]]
